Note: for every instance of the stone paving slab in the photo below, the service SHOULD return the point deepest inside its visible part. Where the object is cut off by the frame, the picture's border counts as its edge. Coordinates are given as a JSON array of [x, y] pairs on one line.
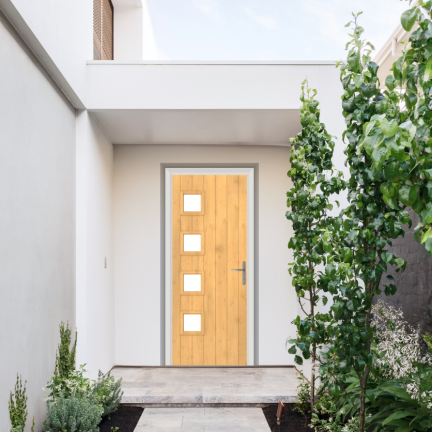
[[202, 420], [148, 385]]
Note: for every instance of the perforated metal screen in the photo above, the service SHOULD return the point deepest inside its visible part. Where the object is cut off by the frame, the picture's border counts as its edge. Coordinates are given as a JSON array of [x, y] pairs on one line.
[[103, 30]]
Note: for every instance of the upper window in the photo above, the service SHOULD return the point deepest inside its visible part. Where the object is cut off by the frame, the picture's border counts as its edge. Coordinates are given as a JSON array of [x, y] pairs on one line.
[[103, 30]]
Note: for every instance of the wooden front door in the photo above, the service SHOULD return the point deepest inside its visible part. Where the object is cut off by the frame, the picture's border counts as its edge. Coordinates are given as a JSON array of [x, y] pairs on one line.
[[209, 300]]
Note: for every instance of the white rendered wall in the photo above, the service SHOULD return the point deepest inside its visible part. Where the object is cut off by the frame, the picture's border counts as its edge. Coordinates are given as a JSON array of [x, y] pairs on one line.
[[137, 245], [211, 85], [65, 30], [133, 32], [37, 223], [95, 289]]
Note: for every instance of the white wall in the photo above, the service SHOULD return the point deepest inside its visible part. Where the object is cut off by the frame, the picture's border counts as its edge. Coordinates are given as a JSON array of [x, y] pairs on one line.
[[204, 85], [137, 245], [65, 30], [133, 32], [95, 289], [37, 222]]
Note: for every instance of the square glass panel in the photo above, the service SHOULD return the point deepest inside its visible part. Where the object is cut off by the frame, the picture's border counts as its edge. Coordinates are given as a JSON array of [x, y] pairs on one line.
[[192, 203], [192, 282], [192, 242], [192, 322]]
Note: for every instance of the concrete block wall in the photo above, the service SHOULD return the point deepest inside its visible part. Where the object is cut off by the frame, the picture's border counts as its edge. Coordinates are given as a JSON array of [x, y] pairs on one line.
[[414, 294]]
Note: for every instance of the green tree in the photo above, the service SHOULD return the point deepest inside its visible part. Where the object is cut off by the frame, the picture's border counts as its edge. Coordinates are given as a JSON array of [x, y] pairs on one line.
[[309, 199], [409, 166], [353, 273]]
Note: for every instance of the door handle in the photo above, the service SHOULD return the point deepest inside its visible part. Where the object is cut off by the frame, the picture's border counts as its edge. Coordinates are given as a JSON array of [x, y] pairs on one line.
[[243, 269]]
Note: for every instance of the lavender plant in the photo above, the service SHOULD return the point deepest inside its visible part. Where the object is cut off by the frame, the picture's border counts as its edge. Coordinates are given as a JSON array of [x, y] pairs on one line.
[[107, 391]]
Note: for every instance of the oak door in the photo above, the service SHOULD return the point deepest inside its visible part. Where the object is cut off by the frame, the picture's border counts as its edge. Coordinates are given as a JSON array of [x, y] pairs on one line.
[[209, 300]]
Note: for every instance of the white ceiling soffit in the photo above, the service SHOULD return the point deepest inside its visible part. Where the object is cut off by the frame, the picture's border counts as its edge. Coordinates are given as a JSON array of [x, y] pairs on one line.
[[235, 127]]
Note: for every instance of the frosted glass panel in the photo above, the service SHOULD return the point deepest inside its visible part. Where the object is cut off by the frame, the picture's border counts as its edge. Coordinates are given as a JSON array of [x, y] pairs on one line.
[[192, 203], [192, 282], [192, 322], [192, 243]]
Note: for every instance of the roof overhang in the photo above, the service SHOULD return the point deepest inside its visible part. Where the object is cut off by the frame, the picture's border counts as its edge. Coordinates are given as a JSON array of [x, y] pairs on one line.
[[159, 102]]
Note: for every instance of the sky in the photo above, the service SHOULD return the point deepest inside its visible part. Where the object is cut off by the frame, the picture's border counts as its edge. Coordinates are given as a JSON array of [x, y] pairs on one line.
[[266, 29]]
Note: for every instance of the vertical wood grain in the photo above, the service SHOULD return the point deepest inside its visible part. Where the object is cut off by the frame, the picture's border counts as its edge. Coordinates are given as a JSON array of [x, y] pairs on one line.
[[243, 257], [176, 341], [186, 350], [233, 263], [221, 270], [209, 270]]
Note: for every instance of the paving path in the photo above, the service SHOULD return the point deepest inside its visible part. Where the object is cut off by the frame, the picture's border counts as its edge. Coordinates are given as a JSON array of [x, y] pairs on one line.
[[202, 420], [151, 385]]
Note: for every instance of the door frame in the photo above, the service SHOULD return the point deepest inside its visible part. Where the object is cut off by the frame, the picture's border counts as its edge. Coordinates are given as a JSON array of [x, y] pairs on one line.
[[250, 172]]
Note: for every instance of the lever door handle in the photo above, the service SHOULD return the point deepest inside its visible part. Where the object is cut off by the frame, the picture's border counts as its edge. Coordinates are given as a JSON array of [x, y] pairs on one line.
[[243, 269]]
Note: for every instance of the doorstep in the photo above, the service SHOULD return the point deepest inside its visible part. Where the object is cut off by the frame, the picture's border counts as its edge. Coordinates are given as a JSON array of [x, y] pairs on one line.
[[207, 386]]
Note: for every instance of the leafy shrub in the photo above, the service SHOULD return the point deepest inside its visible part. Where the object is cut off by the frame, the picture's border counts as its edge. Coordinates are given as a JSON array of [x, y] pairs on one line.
[[303, 392], [76, 384], [65, 363], [72, 414], [18, 407], [326, 417], [403, 355], [108, 392]]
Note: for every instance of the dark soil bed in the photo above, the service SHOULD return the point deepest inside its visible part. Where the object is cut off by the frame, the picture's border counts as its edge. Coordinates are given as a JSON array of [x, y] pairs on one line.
[[125, 418], [292, 421]]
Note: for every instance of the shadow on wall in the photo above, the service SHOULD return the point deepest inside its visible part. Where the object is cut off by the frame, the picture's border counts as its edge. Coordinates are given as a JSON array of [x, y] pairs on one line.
[[414, 286]]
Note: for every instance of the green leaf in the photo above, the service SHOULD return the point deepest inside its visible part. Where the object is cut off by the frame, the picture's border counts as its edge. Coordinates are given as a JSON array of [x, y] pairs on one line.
[[347, 255], [398, 415], [428, 71], [387, 256], [404, 217], [408, 194], [354, 339], [304, 328], [426, 235], [298, 360], [392, 171], [389, 82], [292, 350], [354, 60], [327, 247], [398, 152], [352, 305], [373, 141], [428, 245], [379, 156], [408, 18], [400, 262], [404, 428], [389, 128], [324, 300]]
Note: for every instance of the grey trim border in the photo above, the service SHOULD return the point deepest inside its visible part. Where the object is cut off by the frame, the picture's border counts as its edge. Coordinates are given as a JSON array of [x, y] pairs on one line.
[[163, 167]]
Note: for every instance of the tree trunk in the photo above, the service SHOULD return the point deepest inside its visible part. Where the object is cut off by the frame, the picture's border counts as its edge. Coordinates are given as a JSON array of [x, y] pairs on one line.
[[362, 413], [312, 388]]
